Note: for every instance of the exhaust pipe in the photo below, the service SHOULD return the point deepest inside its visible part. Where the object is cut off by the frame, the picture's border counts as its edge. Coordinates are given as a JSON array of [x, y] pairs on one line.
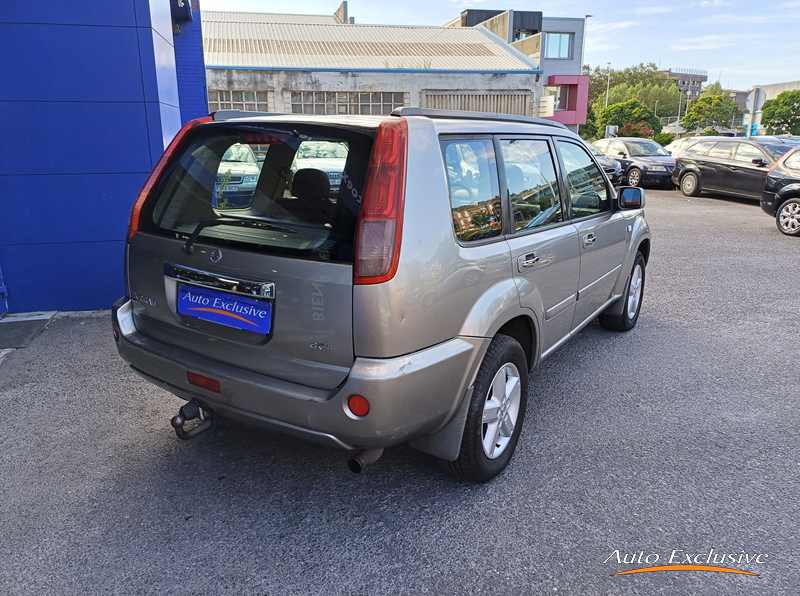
[[362, 459], [192, 411]]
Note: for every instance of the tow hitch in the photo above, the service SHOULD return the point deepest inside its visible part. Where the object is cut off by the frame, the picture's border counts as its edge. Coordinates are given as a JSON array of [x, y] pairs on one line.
[[192, 411]]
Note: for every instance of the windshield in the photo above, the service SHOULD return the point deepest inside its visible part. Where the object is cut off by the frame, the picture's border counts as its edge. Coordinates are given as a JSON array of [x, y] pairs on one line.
[[316, 149], [776, 151], [644, 149], [264, 205], [240, 154]]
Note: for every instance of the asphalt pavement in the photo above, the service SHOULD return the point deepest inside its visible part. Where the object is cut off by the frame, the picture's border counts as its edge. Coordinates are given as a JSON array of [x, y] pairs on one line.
[[676, 438]]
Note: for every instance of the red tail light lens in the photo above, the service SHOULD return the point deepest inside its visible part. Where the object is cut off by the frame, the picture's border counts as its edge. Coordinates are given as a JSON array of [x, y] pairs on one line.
[[133, 227], [380, 224]]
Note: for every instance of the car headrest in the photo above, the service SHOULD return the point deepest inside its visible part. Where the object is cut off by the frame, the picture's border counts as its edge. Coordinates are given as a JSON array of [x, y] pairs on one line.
[[311, 184], [515, 179]]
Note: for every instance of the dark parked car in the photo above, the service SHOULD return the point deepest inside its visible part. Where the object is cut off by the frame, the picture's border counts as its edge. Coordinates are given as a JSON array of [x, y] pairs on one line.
[[610, 166], [781, 196], [735, 166], [642, 161]]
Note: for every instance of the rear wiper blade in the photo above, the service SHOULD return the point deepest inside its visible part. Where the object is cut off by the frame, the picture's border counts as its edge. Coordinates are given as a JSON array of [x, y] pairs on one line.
[[243, 223]]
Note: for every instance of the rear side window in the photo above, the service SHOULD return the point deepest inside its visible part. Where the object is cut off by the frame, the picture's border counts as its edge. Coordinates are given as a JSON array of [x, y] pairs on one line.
[[585, 181], [292, 192], [698, 148], [721, 150], [793, 161], [532, 184], [474, 189]]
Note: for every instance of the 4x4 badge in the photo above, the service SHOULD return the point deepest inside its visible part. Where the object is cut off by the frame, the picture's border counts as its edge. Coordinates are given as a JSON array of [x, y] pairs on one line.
[[216, 255]]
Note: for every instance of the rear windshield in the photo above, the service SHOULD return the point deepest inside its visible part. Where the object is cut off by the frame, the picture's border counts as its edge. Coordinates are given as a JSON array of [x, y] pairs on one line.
[[285, 190], [777, 150]]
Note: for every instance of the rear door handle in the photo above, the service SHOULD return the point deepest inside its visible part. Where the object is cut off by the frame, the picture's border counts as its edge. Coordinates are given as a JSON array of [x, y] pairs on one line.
[[527, 261], [589, 239]]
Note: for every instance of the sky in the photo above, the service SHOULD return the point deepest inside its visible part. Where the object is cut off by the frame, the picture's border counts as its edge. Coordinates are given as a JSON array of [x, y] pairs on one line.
[[740, 43]]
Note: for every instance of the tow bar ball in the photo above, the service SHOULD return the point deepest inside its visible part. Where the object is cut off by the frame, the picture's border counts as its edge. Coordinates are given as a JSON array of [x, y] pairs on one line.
[[192, 411]]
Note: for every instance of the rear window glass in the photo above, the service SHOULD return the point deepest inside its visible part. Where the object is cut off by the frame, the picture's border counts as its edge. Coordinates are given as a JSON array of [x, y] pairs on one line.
[[776, 151], [292, 192]]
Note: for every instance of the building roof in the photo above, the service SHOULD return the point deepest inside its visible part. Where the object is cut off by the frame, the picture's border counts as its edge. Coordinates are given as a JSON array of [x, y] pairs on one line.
[[249, 40], [267, 17]]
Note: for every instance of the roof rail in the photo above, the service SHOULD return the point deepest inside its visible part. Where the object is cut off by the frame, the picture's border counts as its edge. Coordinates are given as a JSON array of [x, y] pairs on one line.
[[231, 114], [415, 111]]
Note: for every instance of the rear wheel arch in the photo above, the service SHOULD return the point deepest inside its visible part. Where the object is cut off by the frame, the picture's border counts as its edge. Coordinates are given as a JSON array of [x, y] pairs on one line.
[[522, 329]]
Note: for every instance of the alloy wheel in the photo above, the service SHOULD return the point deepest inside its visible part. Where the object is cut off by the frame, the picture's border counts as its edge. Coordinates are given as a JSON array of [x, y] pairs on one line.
[[501, 410]]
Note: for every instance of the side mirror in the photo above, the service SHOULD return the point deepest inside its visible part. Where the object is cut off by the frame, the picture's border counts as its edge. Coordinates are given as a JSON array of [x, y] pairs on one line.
[[631, 197], [759, 162], [622, 153]]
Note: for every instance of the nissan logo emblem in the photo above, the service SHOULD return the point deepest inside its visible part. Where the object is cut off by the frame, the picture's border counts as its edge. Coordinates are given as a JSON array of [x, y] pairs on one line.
[[216, 255]]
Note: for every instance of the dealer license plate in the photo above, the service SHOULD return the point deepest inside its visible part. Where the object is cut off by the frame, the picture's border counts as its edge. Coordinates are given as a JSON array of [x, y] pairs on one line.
[[222, 308]]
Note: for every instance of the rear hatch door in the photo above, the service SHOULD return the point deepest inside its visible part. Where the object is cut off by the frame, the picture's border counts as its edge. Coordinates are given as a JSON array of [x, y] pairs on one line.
[[245, 257]]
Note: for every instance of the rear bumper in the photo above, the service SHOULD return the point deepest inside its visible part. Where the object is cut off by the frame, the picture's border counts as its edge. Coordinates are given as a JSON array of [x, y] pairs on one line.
[[769, 203], [409, 396], [656, 178]]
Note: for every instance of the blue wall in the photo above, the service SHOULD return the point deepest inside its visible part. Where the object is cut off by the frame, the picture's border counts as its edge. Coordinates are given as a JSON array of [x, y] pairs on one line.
[[89, 100], [191, 68]]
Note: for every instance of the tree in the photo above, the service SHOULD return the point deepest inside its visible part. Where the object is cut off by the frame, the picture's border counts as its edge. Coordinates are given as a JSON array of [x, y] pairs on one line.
[[588, 131], [710, 112], [665, 97], [644, 74], [782, 114], [714, 88], [631, 112]]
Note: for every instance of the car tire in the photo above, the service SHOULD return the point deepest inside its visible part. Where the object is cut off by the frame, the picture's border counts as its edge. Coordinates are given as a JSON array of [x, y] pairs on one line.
[[632, 298], [634, 177], [495, 415], [788, 217], [690, 184]]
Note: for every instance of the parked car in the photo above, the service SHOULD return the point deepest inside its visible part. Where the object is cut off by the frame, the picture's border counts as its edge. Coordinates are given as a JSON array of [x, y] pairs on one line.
[[409, 307], [729, 165], [643, 161], [781, 195], [610, 166], [236, 178], [675, 147], [327, 156]]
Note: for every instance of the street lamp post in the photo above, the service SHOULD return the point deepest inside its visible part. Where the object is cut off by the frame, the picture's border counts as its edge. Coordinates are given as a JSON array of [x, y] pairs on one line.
[[656, 108], [608, 82]]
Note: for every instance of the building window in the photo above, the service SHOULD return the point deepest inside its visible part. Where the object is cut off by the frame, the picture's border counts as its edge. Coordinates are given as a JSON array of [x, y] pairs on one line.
[[344, 102], [249, 101], [561, 94], [558, 45]]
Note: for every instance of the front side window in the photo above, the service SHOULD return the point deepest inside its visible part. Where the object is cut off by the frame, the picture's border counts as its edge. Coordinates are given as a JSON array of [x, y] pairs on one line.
[[558, 45], [748, 153], [586, 183], [532, 183], [474, 189]]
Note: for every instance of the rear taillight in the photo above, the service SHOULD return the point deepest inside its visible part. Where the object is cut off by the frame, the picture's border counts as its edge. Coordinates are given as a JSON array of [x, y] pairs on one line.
[[380, 224], [133, 227]]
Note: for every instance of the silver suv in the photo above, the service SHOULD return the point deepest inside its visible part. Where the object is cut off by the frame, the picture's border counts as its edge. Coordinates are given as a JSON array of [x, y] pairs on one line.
[[407, 304]]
